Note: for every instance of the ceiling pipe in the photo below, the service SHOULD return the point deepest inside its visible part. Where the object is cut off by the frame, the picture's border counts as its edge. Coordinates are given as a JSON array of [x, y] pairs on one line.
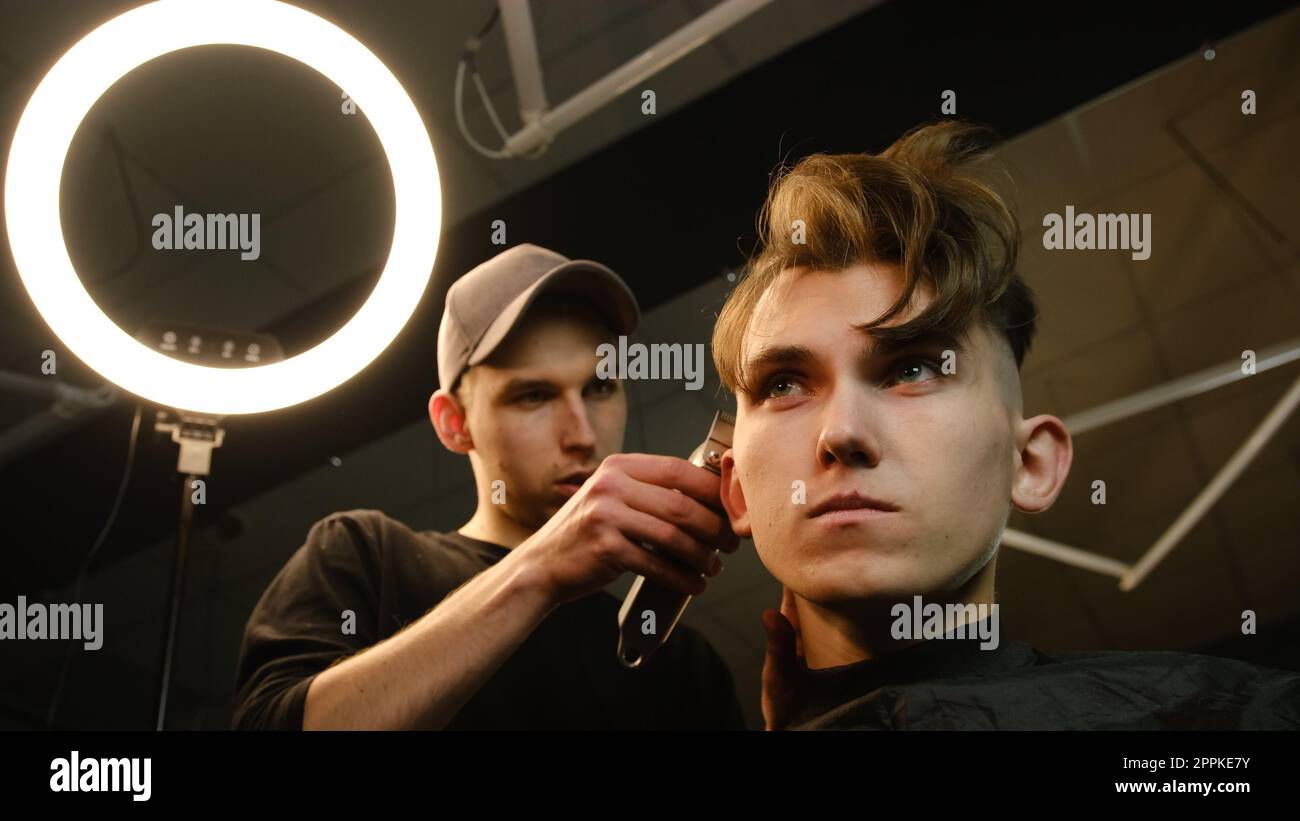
[[69, 405], [522, 46]]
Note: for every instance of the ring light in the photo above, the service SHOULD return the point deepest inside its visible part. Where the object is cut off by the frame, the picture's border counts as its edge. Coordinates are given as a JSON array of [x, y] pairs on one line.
[[107, 54]]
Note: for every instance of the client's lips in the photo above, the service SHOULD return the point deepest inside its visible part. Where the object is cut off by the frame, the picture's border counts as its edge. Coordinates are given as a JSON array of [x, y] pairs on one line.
[[850, 501]]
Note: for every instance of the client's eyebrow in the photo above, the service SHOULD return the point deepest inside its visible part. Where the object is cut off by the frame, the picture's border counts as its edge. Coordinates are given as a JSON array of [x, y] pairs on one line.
[[774, 356], [887, 345]]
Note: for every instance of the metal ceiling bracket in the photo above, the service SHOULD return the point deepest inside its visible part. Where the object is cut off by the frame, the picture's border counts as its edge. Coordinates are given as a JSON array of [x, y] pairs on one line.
[[542, 123]]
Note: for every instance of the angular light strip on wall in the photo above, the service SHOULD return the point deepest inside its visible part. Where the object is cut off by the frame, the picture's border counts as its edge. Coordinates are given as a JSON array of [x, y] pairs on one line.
[[1131, 576]]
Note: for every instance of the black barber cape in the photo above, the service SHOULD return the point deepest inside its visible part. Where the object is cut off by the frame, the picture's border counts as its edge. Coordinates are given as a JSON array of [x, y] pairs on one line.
[[564, 676], [946, 684]]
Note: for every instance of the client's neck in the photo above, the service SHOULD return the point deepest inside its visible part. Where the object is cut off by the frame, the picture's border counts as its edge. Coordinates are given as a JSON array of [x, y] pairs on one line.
[[836, 635]]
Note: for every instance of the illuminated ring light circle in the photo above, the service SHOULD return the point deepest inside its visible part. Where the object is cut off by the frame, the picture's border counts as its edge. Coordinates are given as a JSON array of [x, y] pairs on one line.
[[40, 147]]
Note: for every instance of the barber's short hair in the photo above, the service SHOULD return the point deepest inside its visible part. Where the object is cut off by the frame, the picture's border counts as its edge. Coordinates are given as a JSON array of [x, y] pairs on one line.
[[924, 204]]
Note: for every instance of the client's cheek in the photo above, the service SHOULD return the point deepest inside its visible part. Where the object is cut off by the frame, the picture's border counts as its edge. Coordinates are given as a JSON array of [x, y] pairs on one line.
[[781, 515]]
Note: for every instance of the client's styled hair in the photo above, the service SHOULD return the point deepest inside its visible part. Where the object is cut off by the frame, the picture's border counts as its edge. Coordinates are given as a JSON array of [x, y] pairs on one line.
[[924, 204]]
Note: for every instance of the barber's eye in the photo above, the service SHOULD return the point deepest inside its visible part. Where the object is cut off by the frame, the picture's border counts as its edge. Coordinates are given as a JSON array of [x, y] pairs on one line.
[[604, 386], [533, 397]]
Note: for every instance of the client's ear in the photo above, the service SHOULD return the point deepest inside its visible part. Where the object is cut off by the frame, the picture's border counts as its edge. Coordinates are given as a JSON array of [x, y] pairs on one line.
[[1045, 454], [733, 497], [448, 419]]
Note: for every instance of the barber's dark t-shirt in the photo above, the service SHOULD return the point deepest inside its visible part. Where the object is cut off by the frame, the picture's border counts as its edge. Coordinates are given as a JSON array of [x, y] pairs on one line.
[[953, 683], [564, 676]]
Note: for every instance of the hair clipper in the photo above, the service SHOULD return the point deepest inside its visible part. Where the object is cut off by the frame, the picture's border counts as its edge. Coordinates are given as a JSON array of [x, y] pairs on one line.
[[651, 611]]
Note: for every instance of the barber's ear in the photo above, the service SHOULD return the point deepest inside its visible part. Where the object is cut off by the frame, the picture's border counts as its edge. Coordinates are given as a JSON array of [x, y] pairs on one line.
[[448, 419], [1046, 453], [733, 497]]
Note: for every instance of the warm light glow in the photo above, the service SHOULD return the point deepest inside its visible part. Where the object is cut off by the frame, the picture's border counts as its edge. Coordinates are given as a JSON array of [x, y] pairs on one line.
[[108, 53]]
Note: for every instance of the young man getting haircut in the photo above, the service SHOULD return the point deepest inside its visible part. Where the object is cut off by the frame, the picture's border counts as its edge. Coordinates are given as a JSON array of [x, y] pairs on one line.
[[503, 623], [874, 347]]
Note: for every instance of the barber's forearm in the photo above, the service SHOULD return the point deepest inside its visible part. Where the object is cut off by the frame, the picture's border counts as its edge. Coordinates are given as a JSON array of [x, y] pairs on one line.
[[421, 677]]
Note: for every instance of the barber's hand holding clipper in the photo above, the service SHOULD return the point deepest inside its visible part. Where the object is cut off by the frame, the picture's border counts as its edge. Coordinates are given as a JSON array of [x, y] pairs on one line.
[[633, 498], [423, 675]]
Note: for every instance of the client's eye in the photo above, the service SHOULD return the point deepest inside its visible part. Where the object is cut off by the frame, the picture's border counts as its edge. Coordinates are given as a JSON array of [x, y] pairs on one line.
[[779, 385], [914, 369]]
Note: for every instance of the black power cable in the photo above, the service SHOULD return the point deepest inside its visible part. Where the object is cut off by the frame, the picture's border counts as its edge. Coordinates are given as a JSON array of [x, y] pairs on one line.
[[52, 712]]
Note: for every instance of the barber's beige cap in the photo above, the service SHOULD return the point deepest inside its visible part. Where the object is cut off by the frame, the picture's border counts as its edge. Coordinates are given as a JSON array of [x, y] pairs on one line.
[[485, 304]]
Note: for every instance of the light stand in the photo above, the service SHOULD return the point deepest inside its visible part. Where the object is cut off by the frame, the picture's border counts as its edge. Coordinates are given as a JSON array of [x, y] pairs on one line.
[[197, 435], [190, 376]]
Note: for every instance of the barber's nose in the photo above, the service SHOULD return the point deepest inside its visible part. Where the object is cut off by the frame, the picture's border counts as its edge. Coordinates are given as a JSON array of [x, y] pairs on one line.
[[848, 436], [578, 432]]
